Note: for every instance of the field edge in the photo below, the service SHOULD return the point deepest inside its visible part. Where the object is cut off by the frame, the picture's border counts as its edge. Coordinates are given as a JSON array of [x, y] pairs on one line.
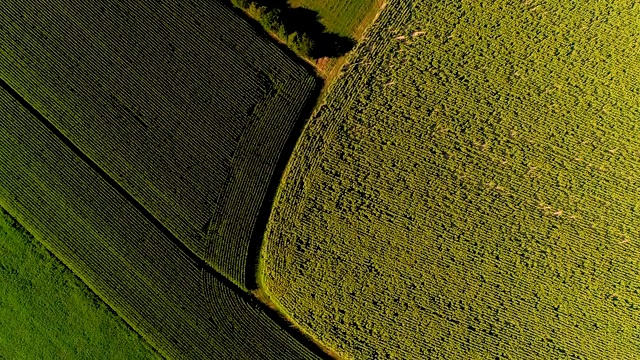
[[31, 231], [259, 287]]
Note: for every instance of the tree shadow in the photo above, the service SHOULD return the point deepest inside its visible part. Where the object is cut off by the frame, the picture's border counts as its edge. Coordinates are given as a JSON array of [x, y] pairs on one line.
[[305, 21]]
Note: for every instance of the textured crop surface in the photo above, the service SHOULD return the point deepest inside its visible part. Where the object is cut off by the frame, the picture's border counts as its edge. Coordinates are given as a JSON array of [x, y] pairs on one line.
[[469, 190], [181, 307], [48, 313], [182, 103]]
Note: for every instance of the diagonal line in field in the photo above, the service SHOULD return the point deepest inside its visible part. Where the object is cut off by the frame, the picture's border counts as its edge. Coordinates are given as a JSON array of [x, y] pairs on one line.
[[198, 262]]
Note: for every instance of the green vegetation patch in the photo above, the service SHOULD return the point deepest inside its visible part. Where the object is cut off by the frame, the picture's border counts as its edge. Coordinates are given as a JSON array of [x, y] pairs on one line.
[[470, 188], [48, 313], [313, 29]]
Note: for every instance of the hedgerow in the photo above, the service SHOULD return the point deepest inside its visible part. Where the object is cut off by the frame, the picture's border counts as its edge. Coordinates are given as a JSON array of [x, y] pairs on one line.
[[271, 20]]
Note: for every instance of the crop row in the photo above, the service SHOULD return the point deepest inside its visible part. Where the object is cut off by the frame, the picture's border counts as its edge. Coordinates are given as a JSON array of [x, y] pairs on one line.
[[137, 269], [171, 100], [468, 190]]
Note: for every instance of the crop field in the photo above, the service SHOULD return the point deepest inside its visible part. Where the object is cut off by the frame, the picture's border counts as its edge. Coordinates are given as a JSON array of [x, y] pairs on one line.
[[184, 105], [177, 303], [469, 189], [48, 313]]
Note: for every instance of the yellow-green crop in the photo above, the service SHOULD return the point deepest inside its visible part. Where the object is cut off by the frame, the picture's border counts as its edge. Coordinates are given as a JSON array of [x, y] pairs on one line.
[[470, 189]]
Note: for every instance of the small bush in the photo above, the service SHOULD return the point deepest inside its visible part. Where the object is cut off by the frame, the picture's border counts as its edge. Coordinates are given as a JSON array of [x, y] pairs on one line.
[[271, 20], [301, 43], [256, 11]]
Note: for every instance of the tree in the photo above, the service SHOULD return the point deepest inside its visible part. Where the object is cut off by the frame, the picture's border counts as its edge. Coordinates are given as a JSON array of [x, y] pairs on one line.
[[302, 44]]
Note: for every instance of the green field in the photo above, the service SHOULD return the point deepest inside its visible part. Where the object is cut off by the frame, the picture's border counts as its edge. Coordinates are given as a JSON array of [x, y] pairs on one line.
[[465, 188], [183, 105], [179, 305], [48, 313], [469, 189], [137, 143], [341, 17]]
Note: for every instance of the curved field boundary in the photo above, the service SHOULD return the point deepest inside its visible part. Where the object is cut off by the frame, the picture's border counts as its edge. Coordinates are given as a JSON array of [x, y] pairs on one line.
[[141, 272], [474, 199], [316, 135], [182, 104], [322, 128]]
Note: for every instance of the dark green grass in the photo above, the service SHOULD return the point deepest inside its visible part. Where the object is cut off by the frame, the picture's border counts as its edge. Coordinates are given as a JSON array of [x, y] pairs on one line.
[[48, 313]]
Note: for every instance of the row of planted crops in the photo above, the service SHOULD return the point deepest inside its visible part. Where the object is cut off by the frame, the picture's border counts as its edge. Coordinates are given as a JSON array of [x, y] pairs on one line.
[[137, 142]]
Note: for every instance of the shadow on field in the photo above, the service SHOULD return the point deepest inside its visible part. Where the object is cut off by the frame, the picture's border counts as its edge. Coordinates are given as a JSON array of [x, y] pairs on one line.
[[260, 226], [330, 45], [298, 27], [256, 238], [305, 21]]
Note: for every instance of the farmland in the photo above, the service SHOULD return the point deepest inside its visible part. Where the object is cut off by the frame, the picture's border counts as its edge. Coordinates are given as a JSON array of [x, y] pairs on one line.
[[183, 105], [138, 142], [346, 19], [468, 190], [175, 301], [70, 321]]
